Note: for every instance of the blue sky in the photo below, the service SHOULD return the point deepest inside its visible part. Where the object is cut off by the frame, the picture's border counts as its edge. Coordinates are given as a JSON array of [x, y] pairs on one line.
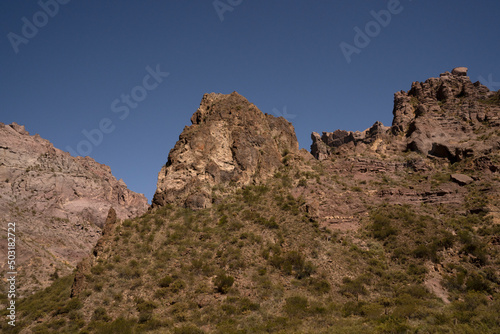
[[86, 65]]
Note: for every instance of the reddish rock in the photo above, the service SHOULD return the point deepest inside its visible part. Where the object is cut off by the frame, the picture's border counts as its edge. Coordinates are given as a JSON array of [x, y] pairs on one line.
[[58, 202]]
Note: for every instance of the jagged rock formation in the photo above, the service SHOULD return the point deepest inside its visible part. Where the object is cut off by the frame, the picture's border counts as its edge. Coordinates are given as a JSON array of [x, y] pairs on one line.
[[447, 117], [58, 202], [321, 144], [83, 267], [230, 141]]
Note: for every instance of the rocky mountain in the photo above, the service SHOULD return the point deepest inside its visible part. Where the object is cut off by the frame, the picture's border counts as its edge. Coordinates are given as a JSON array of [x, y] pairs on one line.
[[390, 230], [447, 117], [58, 202], [230, 141]]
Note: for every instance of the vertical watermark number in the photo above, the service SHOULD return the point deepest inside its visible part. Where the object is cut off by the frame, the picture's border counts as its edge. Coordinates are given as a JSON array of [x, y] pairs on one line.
[[11, 273]]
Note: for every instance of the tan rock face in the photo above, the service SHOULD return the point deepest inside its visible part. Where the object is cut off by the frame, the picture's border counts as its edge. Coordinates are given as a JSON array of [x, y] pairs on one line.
[[59, 204], [230, 141]]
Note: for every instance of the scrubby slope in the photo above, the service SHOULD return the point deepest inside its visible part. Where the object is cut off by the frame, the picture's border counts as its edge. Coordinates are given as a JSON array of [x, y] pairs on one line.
[[373, 238]]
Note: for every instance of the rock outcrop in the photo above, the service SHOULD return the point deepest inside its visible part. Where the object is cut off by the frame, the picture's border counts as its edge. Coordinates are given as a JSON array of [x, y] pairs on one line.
[[83, 267], [322, 145], [58, 202], [230, 141], [447, 117]]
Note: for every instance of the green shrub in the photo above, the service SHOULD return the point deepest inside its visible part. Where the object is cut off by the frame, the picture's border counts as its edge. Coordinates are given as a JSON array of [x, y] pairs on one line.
[[318, 286], [296, 305], [476, 282], [177, 286], [353, 308], [165, 281], [188, 329], [120, 325], [223, 282], [353, 287], [381, 227], [100, 314]]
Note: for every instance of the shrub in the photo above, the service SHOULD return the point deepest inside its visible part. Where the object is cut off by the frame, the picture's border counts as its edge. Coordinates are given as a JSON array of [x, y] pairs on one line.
[[100, 314], [381, 227], [223, 282], [353, 287], [296, 305], [188, 329], [319, 286], [353, 308], [120, 325], [476, 282], [177, 286], [165, 281]]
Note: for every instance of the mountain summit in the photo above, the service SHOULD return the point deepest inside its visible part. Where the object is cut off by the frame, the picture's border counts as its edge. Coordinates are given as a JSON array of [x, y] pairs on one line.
[[230, 142]]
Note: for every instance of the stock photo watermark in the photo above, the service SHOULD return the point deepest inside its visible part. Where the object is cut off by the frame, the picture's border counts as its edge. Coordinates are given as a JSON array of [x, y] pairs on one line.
[[222, 6], [11, 273], [122, 107], [373, 28], [284, 113], [490, 83], [29, 29]]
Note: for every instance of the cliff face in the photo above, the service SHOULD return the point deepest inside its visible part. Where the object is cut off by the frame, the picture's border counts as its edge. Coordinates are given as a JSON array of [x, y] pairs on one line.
[[59, 203], [230, 141], [447, 117]]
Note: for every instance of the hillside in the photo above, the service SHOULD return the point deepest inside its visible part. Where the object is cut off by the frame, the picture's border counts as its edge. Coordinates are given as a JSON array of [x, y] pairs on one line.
[[391, 230], [59, 204]]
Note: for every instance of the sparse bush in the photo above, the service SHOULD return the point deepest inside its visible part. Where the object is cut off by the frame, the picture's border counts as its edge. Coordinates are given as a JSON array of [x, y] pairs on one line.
[[381, 227], [296, 306], [318, 286], [177, 286], [100, 314], [165, 281], [353, 287], [223, 282], [188, 329]]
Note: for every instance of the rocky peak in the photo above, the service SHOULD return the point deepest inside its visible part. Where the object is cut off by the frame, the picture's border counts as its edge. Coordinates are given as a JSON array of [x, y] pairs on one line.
[[446, 117], [230, 141]]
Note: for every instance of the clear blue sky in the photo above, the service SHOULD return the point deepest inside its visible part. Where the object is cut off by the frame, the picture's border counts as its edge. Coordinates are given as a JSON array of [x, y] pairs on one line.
[[281, 55]]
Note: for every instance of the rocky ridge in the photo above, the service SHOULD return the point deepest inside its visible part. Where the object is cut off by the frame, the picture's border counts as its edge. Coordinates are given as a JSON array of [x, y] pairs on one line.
[[58, 202], [447, 117]]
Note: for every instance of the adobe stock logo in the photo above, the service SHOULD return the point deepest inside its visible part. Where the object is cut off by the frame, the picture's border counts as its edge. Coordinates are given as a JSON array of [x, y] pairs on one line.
[[40, 19], [225, 6], [121, 106], [372, 29], [490, 83]]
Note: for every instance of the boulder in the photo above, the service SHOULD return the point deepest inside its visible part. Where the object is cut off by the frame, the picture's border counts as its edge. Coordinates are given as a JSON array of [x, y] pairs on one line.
[[461, 179], [460, 71]]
